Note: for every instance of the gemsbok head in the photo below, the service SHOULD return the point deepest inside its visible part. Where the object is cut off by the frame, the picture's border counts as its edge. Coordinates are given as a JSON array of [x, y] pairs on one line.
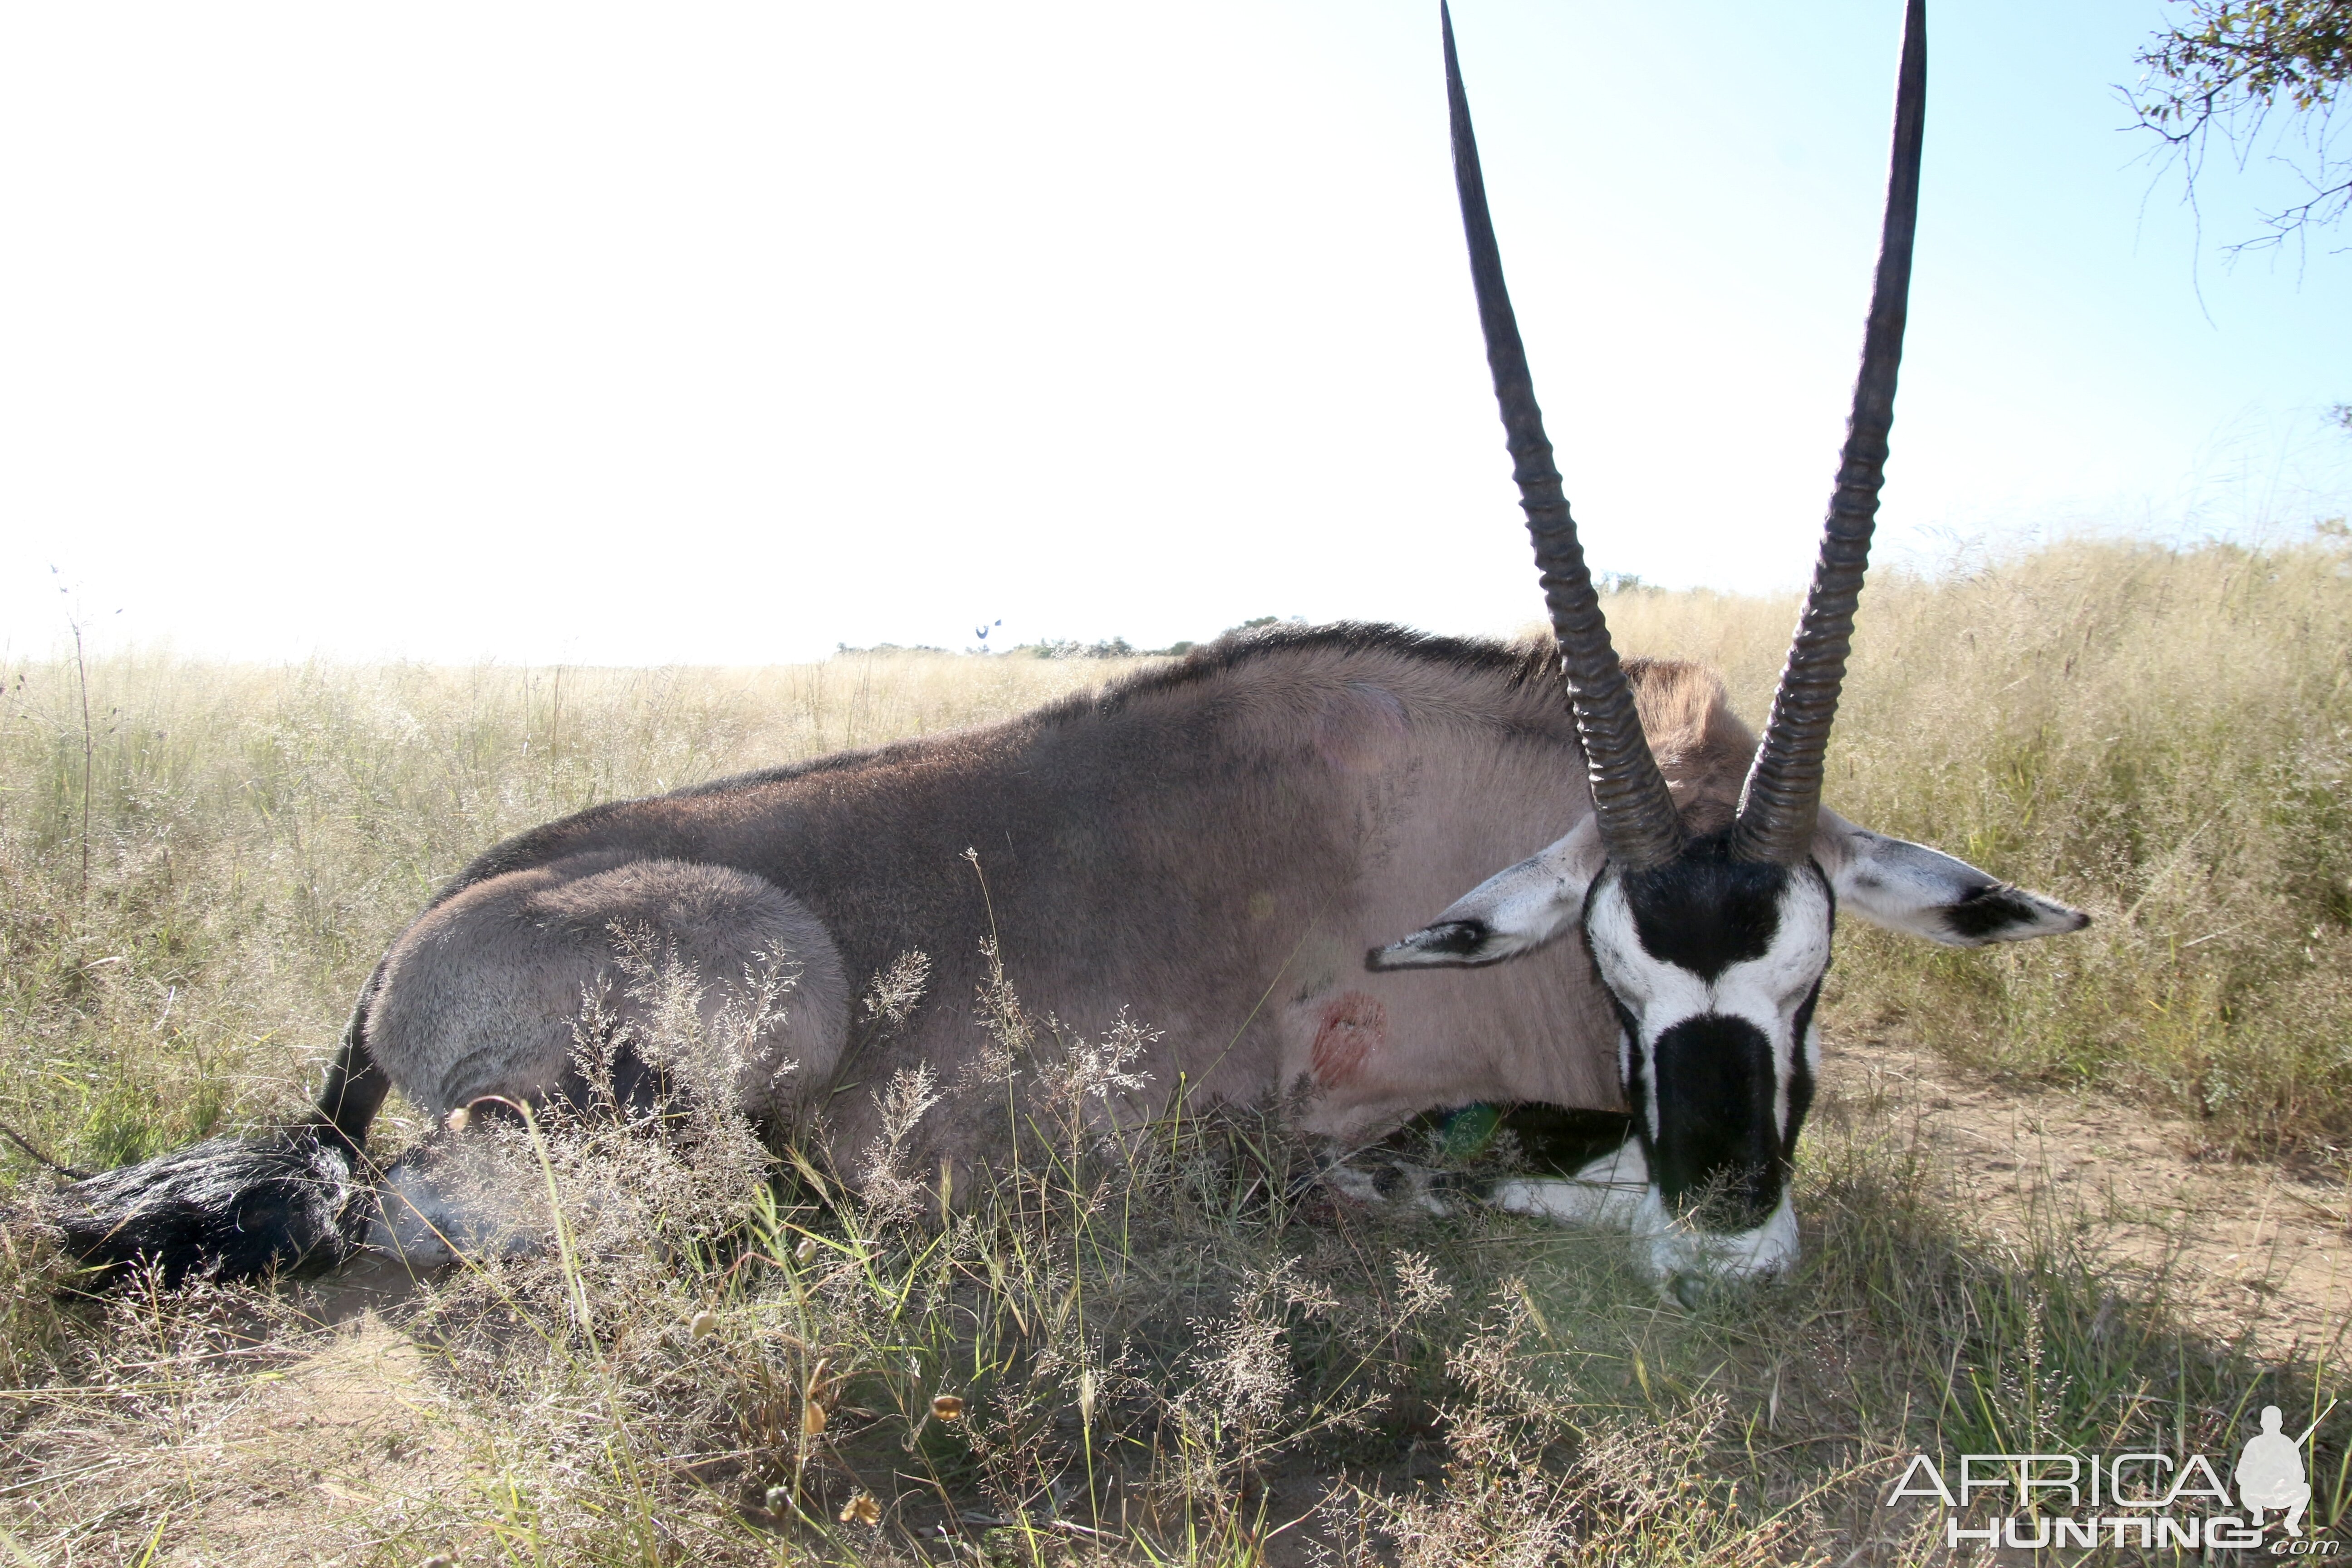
[[1712, 946]]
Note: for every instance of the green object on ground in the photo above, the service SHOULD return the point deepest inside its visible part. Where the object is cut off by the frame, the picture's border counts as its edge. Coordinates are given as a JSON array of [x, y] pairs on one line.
[[1465, 1133]]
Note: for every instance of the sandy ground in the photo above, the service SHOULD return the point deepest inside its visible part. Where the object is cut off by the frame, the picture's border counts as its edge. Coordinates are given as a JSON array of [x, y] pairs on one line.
[[332, 1459], [319, 1461], [2243, 1248]]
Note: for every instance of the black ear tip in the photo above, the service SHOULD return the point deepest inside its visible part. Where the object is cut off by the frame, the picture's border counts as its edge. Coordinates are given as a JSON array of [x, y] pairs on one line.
[[1406, 953], [1453, 942], [1999, 912]]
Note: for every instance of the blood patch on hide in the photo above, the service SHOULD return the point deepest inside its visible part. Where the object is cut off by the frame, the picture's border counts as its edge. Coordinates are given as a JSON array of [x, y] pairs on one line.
[[1353, 1026]]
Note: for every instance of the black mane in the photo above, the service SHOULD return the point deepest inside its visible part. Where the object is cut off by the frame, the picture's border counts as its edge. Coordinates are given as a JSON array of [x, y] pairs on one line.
[[1515, 663], [1477, 655]]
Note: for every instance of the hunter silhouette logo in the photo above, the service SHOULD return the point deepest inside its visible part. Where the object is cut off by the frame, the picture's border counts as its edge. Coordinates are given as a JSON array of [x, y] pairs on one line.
[[2146, 1499], [2270, 1473]]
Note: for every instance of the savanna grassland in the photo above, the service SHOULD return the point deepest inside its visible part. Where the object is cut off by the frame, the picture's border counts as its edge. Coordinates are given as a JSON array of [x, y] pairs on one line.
[[1165, 1347]]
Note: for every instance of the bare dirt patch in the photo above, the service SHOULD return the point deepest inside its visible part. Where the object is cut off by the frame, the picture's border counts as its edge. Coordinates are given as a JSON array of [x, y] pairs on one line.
[[2244, 1250], [338, 1444], [325, 1460]]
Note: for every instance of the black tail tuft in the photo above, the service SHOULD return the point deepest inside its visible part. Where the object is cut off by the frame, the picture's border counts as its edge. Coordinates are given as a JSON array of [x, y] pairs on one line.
[[228, 1209]]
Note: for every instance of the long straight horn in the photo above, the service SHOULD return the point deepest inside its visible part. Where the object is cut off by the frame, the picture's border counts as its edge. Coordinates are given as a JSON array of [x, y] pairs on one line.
[[1781, 806], [1637, 816]]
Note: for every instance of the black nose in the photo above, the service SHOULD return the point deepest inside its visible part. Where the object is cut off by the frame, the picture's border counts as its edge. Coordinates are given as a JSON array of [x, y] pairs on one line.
[[1719, 1156]]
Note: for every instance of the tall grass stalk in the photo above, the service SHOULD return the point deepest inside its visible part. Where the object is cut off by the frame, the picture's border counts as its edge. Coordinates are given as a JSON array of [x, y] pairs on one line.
[[81, 683]]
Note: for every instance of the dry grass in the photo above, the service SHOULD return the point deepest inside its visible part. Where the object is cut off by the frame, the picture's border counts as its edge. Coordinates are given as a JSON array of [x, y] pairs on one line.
[[261, 835], [721, 1367], [1144, 1349]]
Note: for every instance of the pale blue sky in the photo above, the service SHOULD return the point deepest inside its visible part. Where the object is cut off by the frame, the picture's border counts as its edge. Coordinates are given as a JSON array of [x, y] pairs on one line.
[[732, 333]]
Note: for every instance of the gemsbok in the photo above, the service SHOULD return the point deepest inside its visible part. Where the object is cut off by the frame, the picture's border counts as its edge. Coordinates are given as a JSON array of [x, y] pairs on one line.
[[1224, 848]]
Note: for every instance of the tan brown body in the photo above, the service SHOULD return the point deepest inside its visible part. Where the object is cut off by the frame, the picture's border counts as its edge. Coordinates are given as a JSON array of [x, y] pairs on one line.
[[1213, 848]]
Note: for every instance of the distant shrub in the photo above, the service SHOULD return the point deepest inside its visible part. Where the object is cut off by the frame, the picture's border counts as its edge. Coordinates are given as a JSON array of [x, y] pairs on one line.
[[1111, 647]]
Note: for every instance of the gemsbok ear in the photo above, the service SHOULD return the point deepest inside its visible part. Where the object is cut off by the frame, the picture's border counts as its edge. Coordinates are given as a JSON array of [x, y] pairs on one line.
[[1515, 910], [1925, 892]]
